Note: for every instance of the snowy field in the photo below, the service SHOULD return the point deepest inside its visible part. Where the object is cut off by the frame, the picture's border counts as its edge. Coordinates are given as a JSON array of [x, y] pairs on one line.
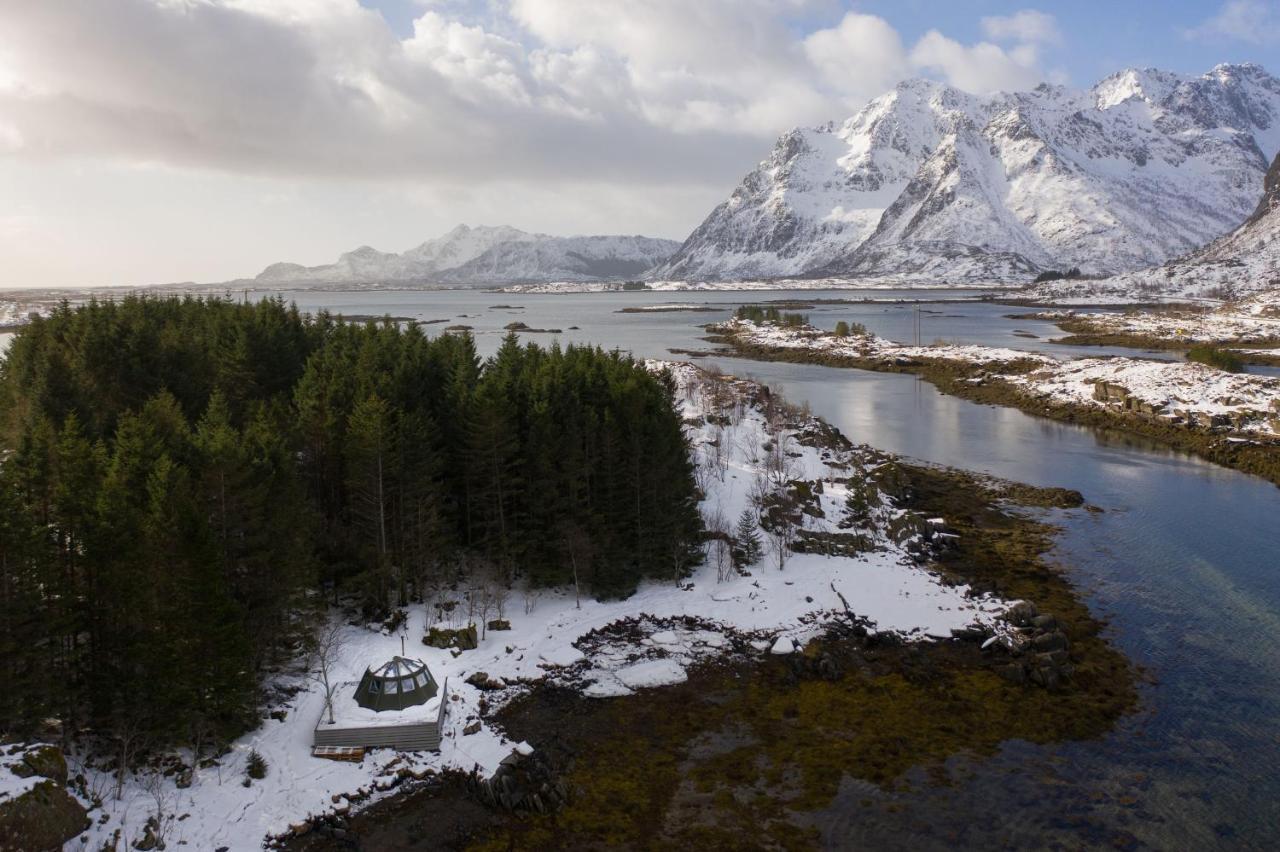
[[769, 610], [1254, 320], [869, 346]]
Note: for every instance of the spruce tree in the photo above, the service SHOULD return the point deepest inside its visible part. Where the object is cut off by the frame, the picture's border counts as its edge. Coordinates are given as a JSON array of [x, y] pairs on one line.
[[747, 538]]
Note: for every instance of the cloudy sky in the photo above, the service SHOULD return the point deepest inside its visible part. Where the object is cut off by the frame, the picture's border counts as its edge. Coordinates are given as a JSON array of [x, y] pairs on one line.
[[146, 141]]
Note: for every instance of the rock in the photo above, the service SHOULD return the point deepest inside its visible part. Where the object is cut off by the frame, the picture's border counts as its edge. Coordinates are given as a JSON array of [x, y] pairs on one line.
[[47, 762], [482, 681], [829, 669], [184, 779], [499, 624], [463, 639], [44, 817], [300, 828], [1044, 622], [1055, 641], [1046, 676], [472, 728], [149, 839], [1021, 613]]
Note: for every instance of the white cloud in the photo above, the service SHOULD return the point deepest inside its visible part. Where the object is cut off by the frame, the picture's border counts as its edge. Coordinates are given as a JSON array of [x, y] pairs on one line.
[[1253, 21], [860, 57], [981, 68], [1028, 26], [643, 100], [595, 87]]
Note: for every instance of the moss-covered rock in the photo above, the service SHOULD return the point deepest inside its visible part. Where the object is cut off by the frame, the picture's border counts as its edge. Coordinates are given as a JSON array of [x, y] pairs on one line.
[[464, 639], [43, 818], [48, 762]]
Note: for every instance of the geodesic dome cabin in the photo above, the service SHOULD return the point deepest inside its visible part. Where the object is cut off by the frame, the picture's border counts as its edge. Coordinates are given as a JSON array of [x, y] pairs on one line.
[[395, 685]]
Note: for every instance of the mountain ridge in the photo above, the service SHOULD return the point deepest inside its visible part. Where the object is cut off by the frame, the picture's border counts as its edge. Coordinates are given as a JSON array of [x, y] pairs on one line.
[[484, 255], [1237, 265], [1144, 166]]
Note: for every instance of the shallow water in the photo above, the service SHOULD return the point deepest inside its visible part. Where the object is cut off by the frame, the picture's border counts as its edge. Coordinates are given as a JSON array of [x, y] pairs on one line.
[[1183, 560]]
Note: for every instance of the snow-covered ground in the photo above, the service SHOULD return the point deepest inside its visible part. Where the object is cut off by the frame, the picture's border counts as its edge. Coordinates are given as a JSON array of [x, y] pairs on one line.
[[1180, 393], [768, 610], [12, 782], [868, 346], [17, 312], [1251, 321]]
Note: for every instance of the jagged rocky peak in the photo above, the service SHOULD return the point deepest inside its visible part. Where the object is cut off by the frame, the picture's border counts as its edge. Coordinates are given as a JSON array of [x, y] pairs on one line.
[[1144, 166]]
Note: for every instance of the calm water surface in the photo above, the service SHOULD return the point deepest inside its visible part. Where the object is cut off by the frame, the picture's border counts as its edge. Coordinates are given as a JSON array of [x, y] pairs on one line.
[[1184, 561]]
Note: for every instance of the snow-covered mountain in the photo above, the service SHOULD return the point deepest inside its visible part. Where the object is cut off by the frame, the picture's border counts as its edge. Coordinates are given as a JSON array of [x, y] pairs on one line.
[[484, 256], [1240, 264], [928, 182]]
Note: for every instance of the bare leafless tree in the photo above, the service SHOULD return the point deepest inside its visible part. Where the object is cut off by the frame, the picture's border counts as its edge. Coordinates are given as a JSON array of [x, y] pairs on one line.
[[782, 534], [327, 646], [130, 739], [576, 545], [778, 464]]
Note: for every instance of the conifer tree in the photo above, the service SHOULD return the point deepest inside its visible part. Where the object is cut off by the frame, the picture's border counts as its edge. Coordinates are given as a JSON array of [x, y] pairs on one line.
[[747, 538]]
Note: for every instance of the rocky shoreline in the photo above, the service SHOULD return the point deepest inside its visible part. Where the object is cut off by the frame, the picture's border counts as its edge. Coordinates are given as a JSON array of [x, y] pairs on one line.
[[750, 746]]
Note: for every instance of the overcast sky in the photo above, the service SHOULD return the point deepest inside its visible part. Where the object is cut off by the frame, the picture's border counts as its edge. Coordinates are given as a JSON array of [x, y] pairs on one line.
[[147, 141]]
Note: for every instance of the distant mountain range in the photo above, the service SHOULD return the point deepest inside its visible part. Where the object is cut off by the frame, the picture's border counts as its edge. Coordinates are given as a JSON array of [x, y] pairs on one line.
[[928, 183], [484, 256]]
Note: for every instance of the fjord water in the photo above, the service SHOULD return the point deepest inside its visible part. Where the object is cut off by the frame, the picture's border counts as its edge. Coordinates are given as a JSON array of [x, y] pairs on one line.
[[1184, 560]]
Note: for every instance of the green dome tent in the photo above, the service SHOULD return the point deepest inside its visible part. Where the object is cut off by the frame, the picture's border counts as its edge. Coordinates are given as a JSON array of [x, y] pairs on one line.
[[395, 685]]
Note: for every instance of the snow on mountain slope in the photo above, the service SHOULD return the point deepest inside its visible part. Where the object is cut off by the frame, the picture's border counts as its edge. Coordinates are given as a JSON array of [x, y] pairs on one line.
[[1144, 166], [562, 259], [1240, 264], [485, 255]]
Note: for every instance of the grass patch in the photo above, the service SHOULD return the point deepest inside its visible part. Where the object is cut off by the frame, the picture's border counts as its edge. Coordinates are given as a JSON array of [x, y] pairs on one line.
[[1212, 356]]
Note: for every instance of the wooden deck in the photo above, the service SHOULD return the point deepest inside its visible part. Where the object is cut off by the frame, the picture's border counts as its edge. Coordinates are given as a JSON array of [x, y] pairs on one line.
[[419, 736]]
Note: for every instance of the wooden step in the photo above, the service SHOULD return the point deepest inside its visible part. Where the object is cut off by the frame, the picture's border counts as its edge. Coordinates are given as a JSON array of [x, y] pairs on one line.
[[354, 754]]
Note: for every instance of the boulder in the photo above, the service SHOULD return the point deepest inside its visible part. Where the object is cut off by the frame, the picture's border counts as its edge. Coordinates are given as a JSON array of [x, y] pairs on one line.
[[463, 639], [482, 681], [499, 624], [47, 762], [1054, 641], [1021, 613], [43, 818], [1044, 622]]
